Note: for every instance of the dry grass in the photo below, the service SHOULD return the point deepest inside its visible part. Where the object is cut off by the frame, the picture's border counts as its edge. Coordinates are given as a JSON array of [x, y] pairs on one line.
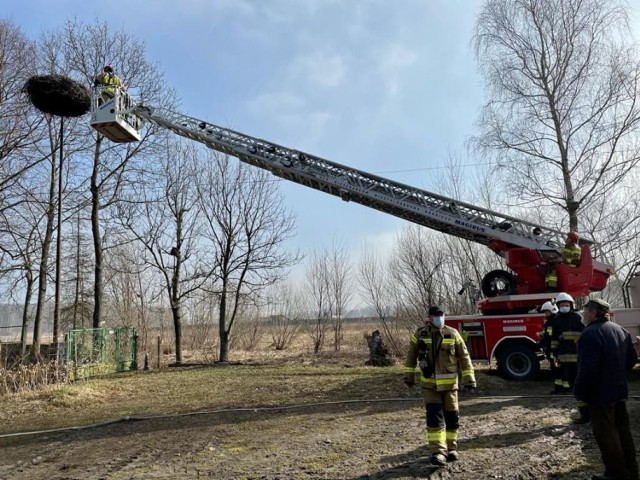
[[32, 400], [21, 378], [189, 390]]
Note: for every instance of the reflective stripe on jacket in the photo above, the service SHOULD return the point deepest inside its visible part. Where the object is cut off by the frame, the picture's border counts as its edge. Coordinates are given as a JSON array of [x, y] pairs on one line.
[[571, 255], [450, 353], [110, 80], [567, 330]]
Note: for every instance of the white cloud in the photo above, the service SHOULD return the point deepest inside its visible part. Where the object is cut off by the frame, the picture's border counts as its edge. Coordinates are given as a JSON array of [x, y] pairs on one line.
[[285, 111], [393, 64], [319, 68], [271, 103]]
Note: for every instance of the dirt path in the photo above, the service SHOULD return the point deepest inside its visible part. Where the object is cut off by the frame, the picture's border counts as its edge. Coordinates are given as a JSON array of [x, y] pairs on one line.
[[365, 425], [499, 438]]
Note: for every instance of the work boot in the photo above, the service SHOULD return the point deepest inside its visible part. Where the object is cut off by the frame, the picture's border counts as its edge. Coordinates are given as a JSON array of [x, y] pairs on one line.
[[438, 460], [453, 456], [584, 416]]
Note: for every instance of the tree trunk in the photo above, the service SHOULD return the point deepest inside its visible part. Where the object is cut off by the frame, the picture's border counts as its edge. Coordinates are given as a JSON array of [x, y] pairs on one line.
[[224, 345], [222, 326], [177, 327], [76, 295], [25, 314], [44, 261], [97, 239]]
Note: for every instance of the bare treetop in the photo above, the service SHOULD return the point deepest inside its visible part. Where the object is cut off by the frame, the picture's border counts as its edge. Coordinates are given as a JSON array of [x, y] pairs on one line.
[[562, 111]]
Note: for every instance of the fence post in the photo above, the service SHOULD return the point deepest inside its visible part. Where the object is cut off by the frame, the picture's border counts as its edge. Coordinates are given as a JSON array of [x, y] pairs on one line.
[[159, 350]]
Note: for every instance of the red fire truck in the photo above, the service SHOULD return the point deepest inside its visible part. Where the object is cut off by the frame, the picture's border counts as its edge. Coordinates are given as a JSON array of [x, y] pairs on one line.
[[504, 331]]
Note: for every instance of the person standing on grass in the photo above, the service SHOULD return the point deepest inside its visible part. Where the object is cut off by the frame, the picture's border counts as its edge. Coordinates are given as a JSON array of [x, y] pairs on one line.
[[441, 355], [605, 354], [549, 344]]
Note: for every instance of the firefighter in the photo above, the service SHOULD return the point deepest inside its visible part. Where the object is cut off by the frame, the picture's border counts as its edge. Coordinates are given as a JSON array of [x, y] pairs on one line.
[[571, 251], [566, 331], [441, 355], [605, 355], [110, 81], [549, 344], [570, 256]]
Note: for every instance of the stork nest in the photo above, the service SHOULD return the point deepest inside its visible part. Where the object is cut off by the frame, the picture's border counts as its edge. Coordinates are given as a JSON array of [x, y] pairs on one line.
[[58, 95]]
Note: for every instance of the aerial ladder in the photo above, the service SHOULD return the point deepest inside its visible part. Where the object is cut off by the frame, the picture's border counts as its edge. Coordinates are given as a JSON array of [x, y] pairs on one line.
[[528, 256]]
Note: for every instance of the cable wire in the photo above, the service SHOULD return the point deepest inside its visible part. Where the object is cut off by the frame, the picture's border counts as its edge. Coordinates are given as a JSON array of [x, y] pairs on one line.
[[137, 418]]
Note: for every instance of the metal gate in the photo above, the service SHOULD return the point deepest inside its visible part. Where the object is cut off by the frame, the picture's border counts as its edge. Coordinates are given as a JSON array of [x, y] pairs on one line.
[[90, 352]]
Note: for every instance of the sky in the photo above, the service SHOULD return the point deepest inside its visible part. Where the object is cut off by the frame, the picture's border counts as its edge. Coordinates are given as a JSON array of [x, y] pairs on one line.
[[391, 88]]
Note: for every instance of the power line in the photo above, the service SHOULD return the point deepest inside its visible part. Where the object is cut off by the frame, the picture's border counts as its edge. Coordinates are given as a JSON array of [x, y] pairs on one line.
[[435, 168]]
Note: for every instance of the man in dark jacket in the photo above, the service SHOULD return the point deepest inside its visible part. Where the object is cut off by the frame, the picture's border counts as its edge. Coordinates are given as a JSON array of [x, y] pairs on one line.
[[605, 355]]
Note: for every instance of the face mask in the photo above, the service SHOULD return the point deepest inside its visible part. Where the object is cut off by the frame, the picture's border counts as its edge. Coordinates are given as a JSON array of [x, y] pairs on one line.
[[437, 322], [565, 309]]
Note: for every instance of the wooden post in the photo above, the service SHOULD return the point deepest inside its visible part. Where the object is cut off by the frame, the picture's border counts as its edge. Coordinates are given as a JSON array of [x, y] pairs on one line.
[[159, 350]]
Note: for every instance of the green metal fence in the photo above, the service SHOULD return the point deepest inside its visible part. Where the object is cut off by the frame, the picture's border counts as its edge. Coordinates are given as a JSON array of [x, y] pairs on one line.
[[90, 352]]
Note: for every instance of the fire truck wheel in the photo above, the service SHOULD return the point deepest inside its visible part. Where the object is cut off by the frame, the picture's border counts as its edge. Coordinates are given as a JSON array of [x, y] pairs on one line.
[[498, 282], [518, 362]]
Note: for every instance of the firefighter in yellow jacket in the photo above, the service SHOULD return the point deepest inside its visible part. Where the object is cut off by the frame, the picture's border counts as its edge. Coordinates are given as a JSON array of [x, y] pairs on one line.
[[109, 82], [441, 355]]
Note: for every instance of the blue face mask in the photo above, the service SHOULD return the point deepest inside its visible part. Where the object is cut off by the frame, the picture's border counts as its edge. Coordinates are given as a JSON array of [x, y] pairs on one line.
[[565, 309], [437, 322]]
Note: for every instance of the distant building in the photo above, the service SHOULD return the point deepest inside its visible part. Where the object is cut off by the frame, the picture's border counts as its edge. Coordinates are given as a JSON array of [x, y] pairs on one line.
[[11, 322]]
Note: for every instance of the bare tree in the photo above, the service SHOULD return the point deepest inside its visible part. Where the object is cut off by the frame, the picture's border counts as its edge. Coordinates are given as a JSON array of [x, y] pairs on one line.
[[377, 292], [78, 311], [340, 287], [284, 314], [164, 216], [417, 269], [249, 328], [18, 119], [19, 235], [87, 48], [247, 225], [318, 299], [466, 262], [562, 116], [48, 147]]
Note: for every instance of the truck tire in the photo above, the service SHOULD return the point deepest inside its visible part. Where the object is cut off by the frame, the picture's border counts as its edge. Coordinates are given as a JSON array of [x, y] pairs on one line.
[[498, 282], [518, 362]]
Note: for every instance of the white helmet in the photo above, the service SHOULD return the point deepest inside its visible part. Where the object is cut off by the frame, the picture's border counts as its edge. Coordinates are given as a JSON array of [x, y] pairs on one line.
[[548, 306], [564, 297]]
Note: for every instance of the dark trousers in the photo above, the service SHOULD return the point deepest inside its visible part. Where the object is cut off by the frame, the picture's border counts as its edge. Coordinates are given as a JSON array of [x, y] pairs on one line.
[[613, 434], [568, 373], [556, 374]]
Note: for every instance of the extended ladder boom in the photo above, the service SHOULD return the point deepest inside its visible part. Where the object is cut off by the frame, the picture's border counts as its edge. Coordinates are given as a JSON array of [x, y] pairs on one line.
[[413, 204]]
